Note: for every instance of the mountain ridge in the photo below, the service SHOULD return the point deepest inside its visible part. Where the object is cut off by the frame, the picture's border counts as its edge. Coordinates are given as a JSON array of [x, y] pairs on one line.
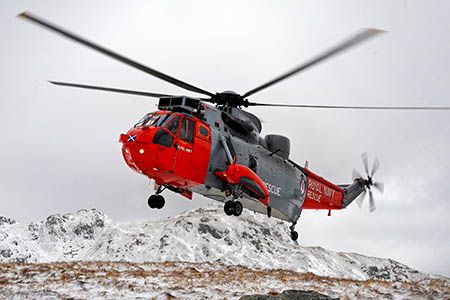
[[200, 235]]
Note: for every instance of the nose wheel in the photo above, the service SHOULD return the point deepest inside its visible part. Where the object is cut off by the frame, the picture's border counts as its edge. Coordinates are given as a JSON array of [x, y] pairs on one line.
[[233, 208], [156, 201]]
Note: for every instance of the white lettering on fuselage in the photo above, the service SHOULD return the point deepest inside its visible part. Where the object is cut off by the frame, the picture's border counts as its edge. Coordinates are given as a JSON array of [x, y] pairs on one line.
[[273, 189], [328, 192], [184, 149], [315, 191]]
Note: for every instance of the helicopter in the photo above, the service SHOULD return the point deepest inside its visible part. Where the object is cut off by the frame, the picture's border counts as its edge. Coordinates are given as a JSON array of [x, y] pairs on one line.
[[213, 147]]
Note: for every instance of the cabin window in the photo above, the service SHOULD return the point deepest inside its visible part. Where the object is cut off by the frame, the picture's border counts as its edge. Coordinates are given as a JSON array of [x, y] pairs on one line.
[[187, 130], [203, 131], [163, 137], [173, 125]]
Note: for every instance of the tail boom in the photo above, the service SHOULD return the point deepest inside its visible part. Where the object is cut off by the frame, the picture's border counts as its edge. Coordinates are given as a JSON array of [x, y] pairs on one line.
[[322, 194]]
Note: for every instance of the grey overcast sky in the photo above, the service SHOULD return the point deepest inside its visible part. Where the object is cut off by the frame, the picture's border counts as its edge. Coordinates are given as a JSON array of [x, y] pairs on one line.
[[59, 147]]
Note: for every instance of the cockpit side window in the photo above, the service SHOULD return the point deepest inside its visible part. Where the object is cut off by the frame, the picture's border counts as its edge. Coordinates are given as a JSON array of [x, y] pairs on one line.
[[173, 125], [187, 130], [190, 133], [183, 129]]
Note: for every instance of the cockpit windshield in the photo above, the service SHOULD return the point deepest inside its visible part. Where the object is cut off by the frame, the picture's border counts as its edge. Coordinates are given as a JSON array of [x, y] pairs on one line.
[[148, 119], [159, 120], [143, 120]]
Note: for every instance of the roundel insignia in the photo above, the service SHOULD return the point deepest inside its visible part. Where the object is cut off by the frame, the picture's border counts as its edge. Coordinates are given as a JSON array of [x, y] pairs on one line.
[[302, 185]]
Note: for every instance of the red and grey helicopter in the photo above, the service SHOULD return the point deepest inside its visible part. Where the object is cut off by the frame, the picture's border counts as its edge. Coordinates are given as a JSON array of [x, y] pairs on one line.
[[213, 147]]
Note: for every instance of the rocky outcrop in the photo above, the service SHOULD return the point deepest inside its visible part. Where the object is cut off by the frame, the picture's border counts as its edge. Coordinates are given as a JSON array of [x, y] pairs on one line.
[[290, 295]]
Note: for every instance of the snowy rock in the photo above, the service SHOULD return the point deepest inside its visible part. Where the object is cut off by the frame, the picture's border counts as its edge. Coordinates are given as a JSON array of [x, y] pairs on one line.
[[202, 235], [5, 220]]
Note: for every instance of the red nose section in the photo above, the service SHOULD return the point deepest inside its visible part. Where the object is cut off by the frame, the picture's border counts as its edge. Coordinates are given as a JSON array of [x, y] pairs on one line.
[[252, 183], [137, 150], [158, 154]]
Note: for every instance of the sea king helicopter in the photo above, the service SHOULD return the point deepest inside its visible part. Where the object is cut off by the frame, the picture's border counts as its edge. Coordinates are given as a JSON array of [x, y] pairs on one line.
[[212, 146]]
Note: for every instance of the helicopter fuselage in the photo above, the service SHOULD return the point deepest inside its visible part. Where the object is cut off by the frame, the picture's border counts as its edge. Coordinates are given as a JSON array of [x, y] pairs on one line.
[[185, 148]]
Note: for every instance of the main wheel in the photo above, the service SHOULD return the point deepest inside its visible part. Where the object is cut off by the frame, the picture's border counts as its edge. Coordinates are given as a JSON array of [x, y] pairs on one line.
[[228, 208], [294, 235], [151, 201], [160, 201], [237, 208]]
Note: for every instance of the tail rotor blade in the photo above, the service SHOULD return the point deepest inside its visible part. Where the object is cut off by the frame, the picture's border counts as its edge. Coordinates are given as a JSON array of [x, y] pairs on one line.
[[379, 186], [360, 199], [376, 165], [371, 202], [365, 162], [355, 175]]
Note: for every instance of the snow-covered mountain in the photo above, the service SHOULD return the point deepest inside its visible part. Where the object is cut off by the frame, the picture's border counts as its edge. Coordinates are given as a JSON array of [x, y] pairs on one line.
[[202, 235]]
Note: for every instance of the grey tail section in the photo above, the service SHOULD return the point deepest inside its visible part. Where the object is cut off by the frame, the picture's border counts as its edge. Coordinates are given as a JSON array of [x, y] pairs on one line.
[[352, 191]]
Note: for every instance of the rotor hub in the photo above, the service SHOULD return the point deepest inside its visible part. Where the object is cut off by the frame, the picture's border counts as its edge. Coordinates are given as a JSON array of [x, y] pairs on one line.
[[368, 182], [230, 98]]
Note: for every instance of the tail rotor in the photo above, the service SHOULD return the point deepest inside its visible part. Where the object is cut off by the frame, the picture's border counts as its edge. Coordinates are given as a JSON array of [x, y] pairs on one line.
[[368, 182]]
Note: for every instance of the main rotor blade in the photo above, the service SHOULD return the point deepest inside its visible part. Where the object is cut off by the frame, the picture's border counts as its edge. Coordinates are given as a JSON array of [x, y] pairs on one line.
[[371, 202], [114, 55], [361, 36], [353, 107], [365, 162], [376, 165], [379, 186], [108, 89]]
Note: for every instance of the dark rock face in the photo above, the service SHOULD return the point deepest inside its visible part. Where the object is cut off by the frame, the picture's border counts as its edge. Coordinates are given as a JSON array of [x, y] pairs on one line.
[[395, 272], [5, 220], [33, 228], [55, 226], [6, 253], [205, 228], [290, 295], [84, 230]]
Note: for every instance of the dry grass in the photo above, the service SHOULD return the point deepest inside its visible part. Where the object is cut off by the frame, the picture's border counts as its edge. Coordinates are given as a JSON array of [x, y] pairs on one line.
[[172, 278]]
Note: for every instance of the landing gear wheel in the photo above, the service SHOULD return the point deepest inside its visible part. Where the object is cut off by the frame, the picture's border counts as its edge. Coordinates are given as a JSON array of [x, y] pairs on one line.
[[151, 201], [237, 208], [159, 200], [294, 235], [228, 208]]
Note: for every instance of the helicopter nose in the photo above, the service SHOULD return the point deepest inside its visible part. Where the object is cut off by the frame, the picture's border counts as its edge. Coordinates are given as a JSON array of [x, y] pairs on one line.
[[139, 152], [134, 149], [131, 156]]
